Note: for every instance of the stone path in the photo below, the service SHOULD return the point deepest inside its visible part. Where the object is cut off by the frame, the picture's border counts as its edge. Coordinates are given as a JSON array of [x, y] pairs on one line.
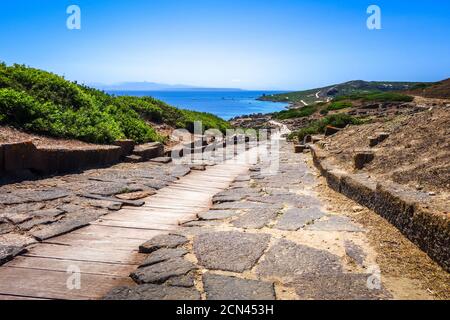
[[267, 237], [106, 250]]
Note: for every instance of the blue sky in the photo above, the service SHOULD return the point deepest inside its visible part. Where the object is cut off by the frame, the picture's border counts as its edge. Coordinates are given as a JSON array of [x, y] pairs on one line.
[[277, 44]]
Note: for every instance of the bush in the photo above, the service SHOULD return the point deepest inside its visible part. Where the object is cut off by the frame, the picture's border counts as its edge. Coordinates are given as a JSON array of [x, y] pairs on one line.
[[43, 102], [319, 126], [339, 105], [296, 113], [378, 97]]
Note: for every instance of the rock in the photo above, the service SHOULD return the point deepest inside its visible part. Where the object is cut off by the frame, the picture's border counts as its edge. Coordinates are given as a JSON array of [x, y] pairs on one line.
[[149, 151], [299, 148], [5, 227], [379, 138], [198, 167], [242, 178], [133, 203], [294, 219], [110, 188], [186, 281], [340, 286], [163, 160], [27, 196], [126, 146], [355, 252], [161, 272], [156, 184], [217, 215], [60, 227], [163, 241], [218, 287], [287, 260], [114, 206], [307, 139], [162, 255], [153, 292], [230, 251], [20, 213], [136, 195], [133, 159], [229, 198], [256, 218], [330, 130], [362, 158], [335, 223], [237, 206], [7, 253], [30, 224], [16, 240], [180, 171]]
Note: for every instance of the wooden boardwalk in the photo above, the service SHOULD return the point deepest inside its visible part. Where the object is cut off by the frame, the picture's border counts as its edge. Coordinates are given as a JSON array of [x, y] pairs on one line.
[[106, 251]]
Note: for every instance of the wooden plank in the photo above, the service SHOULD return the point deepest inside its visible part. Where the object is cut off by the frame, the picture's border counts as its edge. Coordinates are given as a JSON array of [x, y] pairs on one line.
[[84, 254], [136, 225], [91, 241], [87, 267], [150, 220], [18, 298], [53, 284], [105, 231]]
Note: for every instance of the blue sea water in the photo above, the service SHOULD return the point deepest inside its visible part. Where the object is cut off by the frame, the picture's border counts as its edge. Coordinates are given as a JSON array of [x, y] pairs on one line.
[[225, 104]]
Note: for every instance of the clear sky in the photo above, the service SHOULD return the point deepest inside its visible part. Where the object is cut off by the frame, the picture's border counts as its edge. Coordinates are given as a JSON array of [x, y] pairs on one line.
[[252, 44]]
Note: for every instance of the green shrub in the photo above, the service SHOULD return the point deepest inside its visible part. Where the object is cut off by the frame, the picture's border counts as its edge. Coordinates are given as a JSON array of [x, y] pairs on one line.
[[43, 102], [319, 126], [296, 113], [377, 97], [338, 105]]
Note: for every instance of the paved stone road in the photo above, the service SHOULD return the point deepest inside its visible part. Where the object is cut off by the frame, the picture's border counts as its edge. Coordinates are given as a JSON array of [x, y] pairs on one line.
[[267, 237]]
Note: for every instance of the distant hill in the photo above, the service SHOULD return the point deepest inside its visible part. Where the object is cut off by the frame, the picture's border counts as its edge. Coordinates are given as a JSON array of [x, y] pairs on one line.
[[348, 88], [153, 86], [439, 90]]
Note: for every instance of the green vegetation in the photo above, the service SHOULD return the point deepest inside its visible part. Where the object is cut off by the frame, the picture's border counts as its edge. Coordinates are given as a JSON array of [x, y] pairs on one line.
[[296, 113], [377, 97], [339, 105], [43, 102], [319, 126]]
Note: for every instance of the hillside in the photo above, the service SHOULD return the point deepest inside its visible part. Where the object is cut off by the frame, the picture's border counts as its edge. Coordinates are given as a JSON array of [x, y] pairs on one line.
[[348, 88], [44, 103], [438, 90]]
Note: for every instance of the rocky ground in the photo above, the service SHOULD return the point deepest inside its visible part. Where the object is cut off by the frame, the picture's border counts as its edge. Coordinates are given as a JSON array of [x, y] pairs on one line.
[[33, 211], [415, 150], [286, 236]]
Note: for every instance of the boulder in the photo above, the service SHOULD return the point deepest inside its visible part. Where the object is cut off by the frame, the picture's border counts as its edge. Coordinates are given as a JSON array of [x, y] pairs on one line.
[[126, 146], [330, 130], [149, 151], [362, 158], [299, 148]]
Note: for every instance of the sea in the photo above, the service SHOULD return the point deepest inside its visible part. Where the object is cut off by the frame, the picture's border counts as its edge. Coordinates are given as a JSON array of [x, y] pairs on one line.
[[225, 104]]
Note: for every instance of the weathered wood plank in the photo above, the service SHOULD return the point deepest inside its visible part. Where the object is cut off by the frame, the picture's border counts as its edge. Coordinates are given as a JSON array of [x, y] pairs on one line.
[[105, 231], [60, 265], [53, 284], [83, 253]]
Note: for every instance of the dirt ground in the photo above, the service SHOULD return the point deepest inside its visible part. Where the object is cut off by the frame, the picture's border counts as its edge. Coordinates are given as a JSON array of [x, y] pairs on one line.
[[406, 270], [10, 135], [416, 153]]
